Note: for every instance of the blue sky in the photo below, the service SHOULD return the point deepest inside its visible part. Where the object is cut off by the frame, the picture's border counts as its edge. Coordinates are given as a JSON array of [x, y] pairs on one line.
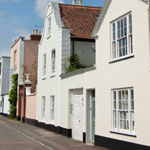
[[19, 17]]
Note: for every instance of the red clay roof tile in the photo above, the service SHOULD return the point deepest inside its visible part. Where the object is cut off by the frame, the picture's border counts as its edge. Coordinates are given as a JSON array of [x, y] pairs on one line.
[[79, 19]]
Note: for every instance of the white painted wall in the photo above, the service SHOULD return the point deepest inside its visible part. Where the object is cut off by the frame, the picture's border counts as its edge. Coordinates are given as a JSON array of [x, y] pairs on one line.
[[133, 72], [51, 85], [82, 82], [6, 104]]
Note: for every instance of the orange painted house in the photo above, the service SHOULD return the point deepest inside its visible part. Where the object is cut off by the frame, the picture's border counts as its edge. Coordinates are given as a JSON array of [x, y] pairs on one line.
[[24, 56]]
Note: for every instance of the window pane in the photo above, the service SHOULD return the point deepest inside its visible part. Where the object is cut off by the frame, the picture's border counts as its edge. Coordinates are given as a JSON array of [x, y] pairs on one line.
[[125, 116], [130, 24], [114, 119], [123, 42], [132, 121], [52, 107]]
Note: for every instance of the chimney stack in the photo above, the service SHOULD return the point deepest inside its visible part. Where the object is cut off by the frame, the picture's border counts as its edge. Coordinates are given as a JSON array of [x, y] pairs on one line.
[[73, 2], [80, 2], [36, 35]]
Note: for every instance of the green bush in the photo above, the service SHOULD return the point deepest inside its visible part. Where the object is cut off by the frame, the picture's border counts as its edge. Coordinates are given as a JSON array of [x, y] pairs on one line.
[[13, 96], [74, 63]]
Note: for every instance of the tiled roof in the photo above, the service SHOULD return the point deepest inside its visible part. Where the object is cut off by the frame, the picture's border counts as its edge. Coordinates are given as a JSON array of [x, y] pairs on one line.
[[79, 19]]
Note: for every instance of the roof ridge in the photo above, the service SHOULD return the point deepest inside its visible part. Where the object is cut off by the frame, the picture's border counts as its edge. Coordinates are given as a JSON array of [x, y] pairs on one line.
[[80, 6]]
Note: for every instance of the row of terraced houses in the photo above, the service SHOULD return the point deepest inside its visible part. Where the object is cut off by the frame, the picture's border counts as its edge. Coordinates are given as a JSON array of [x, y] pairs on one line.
[[105, 101]]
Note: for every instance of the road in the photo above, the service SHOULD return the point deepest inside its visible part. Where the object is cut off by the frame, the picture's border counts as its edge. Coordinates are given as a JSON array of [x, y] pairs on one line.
[[15, 135]]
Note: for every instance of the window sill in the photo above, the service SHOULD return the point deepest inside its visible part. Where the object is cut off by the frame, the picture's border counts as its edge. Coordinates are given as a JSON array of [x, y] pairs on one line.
[[44, 78], [48, 37], [52, 75], [123, 133], [122, 58]]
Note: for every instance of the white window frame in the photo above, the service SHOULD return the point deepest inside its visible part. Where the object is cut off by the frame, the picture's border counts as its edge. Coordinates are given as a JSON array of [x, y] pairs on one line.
[[44, 64], [43, 108], [0, 68], [53, 62], [127, 105], [52, 109], [49, 26], [121, 37]]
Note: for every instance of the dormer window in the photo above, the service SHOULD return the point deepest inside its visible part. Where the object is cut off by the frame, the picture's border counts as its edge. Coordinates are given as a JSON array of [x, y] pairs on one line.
[[49, 26]]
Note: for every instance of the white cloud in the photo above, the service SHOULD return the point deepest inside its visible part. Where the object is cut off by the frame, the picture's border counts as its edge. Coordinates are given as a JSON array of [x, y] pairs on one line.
[[40, 6], [21, 32]]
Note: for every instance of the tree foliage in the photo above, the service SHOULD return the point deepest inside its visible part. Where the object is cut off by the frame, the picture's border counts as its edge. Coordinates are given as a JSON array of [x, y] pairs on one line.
[[13, 96], [74, 63]]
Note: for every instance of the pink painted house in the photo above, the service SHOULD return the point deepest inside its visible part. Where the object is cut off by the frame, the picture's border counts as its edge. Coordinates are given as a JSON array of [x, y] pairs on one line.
[[24, 57]]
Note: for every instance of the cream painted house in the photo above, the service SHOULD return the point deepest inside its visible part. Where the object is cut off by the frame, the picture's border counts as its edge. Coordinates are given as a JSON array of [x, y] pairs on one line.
[[67, 31], [123, 70], [108, 105]]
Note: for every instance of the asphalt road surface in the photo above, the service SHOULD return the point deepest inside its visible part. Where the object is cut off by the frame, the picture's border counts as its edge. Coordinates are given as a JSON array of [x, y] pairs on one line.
[[15, 135]]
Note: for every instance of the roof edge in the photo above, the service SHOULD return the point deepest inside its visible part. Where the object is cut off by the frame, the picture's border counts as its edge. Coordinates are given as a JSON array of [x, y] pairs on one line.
[[80, 6], [101, 17]]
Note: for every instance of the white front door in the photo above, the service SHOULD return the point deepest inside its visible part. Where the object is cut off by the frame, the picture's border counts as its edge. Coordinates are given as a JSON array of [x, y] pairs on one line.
[[77, 117]]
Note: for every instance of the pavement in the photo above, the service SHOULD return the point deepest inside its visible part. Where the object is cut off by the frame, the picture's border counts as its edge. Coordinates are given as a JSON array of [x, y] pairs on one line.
[[15, 135]]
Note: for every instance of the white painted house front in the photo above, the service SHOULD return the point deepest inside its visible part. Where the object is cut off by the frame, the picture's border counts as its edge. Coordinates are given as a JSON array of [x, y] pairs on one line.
[[106, 104], [4, 84], [66, 32], [123, 75], [113, 97]]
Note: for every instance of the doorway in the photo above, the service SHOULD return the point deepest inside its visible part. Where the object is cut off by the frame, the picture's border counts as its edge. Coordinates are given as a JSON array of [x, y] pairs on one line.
[[90, 117], [77, 99]]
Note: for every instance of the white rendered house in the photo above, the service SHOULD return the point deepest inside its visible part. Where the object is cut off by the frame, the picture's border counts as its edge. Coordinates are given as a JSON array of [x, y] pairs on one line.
[[108, 105], [67, 31], [123, 70], [4, 84]]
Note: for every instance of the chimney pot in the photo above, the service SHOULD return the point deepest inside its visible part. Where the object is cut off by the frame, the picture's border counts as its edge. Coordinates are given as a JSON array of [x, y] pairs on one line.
[[74, 2], [36, 35], [80, 2]]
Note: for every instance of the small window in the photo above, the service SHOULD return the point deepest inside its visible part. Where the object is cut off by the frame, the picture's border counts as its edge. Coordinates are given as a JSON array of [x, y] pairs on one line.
[[15, 57], [53, 56], [43, 107], [0, 68], [122, 37], [49, 26], [52, 108], [44, 64], [123, 110]]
